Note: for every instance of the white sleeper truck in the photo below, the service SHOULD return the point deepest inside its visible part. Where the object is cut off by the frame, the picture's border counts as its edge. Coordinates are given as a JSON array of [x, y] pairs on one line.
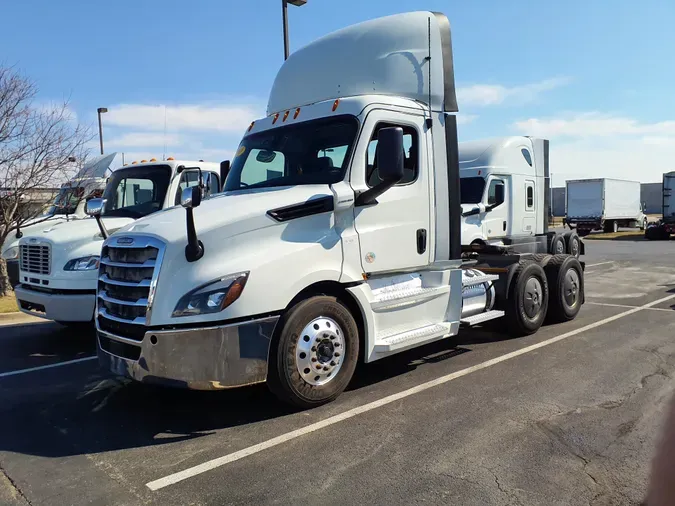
[[336, 240], [59, 261], [604, 204], [68, 204], [505, 195]]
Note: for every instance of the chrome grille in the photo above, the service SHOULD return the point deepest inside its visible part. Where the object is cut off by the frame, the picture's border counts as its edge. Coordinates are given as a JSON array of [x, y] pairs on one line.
[[126, 281], [35, 258]]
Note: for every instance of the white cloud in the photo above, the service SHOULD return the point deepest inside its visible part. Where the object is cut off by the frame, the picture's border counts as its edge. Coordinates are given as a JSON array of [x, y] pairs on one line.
[[465, 119], [228, 118], [495, 94], [144, 139], [594, 124]]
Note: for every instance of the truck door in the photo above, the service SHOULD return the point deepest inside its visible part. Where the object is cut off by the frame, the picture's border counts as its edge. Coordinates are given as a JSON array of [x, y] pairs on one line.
[[496, 220], [394, 233], [529, 216]]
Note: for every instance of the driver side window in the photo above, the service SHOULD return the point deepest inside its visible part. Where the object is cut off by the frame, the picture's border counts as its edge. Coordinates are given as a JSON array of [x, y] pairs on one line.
[[188, 179], [492, 191]]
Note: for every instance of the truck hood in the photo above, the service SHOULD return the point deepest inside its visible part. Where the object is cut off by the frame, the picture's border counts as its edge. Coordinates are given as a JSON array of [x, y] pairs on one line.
[[71, 233], [230, 213]]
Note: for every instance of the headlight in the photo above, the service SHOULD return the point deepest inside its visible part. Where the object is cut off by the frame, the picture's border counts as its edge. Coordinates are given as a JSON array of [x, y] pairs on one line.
[[212, 297], [82, 264], [11, 253]]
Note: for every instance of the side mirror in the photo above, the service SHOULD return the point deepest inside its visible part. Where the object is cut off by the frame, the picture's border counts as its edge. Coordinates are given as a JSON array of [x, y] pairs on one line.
[[191, 197], [390, 156], [94, 207], [224, 171], [499, 195]]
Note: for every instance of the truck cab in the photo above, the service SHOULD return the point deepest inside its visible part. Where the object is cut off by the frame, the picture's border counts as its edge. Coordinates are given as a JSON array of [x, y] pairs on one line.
[[337, 238], [59, 260]]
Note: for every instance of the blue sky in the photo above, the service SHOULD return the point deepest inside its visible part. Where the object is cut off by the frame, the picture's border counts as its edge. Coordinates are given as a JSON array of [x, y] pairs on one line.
[[594, 77]]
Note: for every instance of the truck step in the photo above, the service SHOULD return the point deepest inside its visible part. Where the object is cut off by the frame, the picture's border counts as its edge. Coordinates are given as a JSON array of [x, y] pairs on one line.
[[407, 297], [469, 321], [477, 280], [415, 337]]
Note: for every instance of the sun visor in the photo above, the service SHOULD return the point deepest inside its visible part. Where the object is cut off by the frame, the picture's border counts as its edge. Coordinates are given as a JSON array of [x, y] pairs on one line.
[[406, 55], [96, 167]]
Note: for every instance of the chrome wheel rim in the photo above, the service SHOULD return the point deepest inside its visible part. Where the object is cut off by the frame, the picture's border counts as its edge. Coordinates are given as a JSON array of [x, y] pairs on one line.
[[533, 297], [571, 288], [320, 351], [574, 246]]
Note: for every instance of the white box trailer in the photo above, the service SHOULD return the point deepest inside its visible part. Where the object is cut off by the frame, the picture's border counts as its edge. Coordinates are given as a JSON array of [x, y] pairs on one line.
[[606, 204], [666, 226]]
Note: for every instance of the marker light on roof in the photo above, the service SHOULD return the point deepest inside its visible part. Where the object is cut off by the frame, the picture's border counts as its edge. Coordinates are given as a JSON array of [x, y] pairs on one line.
[[276, 117], [134, 162], [249, 128], [285, 115], [170, 158], [144, 161], [297, 112], [153, 159], [336, 103]]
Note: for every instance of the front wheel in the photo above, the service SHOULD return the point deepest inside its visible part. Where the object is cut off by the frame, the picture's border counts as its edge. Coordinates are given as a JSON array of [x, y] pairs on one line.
[[314, 352]]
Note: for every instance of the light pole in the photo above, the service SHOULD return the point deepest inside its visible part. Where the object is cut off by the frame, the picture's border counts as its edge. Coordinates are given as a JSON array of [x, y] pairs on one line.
[[284, 17], [100, 111]]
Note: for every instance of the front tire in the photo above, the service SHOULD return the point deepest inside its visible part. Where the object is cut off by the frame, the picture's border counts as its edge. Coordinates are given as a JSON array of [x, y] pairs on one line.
[[566, 282], [528, 300], [314, 352]]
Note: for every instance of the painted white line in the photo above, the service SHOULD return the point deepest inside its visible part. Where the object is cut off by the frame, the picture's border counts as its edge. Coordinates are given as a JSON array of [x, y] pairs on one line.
[[50, 366], [601, 263], [626, 306], [270, 443]]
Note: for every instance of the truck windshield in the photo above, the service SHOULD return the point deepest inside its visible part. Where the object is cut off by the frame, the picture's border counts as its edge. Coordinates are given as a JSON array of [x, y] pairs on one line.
[[66, 201], [137, 191], [314, 152], [471, 189]]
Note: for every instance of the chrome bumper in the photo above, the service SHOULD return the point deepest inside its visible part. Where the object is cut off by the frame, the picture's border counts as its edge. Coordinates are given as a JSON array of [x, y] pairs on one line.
[[209, 358]]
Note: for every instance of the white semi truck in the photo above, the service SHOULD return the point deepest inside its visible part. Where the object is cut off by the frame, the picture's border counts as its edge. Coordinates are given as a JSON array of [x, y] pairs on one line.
[[68, 204], [662, 229], [336, 240], [604, 204], [505, 192], [59, 262]]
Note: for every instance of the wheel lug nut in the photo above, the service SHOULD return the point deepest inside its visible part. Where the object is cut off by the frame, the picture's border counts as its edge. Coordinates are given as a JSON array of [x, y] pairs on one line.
[[318, 366], [313, 359], [332, 363], [325, 368], [336, 354], [313, 348]]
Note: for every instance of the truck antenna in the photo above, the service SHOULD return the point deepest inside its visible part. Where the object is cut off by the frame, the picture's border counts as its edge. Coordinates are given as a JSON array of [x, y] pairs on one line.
[[164, 153], [429, 121]]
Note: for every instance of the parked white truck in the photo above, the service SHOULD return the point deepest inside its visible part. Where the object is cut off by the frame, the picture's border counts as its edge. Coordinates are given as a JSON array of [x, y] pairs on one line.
[[68, 205], [59, 262], [604, 204], [337, 238], [662, 229], [505, 196]]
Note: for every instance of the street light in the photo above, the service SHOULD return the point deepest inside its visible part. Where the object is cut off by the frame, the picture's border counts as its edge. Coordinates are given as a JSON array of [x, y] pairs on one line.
[[284, 15], [100, 111]]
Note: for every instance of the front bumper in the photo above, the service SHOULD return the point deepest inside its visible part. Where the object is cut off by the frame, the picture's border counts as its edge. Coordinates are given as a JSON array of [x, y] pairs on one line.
[[211, 358], [60, 306]]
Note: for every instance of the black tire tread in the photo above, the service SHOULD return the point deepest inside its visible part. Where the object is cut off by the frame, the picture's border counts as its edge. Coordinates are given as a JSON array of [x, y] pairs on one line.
[[556, 311], [515, 325]]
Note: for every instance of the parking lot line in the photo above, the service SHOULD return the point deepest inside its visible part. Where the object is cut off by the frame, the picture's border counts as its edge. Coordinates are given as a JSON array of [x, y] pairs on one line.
[[49, 366], [270, 443], [601, 263], [627, 306]]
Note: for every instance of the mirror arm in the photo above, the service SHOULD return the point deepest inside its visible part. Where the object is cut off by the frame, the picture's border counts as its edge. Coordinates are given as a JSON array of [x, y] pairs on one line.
[[101, 226], [369, 197], [194, 249]]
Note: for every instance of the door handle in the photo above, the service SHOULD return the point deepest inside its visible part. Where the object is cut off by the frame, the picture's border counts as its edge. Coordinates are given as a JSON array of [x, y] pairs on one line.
[[504, 226], [421, 240]]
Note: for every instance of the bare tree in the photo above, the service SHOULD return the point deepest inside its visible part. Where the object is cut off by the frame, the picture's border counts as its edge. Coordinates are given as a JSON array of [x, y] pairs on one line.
[[40, 147]]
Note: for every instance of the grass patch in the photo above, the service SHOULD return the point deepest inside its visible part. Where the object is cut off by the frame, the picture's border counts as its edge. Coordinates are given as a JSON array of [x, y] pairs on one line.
[[8, 304], [633, 235]]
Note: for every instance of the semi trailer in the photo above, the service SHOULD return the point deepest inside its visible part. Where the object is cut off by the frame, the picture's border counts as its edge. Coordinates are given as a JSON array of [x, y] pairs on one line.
[[337, 238], [663, 228], [58, 263], [505, 190], [604, 204]]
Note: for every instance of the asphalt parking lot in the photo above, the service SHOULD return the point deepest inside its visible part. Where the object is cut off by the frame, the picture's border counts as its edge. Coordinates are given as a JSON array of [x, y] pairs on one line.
[[567, 416]]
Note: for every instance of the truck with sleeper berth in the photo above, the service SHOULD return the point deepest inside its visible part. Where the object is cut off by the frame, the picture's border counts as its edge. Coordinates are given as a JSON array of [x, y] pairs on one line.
[[337, 238]]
